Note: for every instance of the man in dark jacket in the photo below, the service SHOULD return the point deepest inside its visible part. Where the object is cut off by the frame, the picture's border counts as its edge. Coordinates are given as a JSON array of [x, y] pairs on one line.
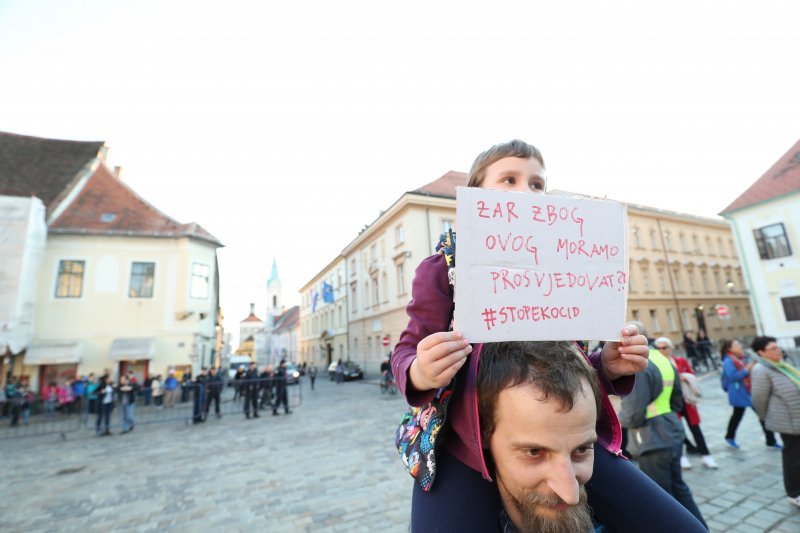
[[199, 396], [250, 388], [279, 381], [655, 433], [213, 391]]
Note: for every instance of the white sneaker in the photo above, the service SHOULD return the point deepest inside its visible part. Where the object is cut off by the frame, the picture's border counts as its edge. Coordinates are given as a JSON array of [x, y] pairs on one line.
[[685, 464], [794, 501], [709, 462]]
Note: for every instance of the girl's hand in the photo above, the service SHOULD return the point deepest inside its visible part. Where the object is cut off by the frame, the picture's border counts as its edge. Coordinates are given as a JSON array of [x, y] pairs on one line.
[[627, 356], [439, 357]]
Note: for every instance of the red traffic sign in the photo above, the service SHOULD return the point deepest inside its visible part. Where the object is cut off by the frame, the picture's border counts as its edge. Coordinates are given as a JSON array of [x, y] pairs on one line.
[[722, 310], [385, 341]]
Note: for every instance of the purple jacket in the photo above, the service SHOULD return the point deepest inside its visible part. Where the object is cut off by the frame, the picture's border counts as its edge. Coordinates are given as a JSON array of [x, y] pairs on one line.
[[431, 310]]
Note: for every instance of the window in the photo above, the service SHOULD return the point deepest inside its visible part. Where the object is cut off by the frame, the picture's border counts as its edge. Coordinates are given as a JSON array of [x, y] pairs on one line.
[[661, 280], [353, 298], [731, 248], [696, 244], [772, 241], [637, 239], [684, 245], [646, 280], [385, 286], [720, 247], [69, 283], [353, 267], [373, 252], [447, 224], [653, 240], [654, 320], [791, 308], [671, 320], [668, 240], [635, 315], [200, 275], [685, 318], [677, 279], [717, 283], [692, 285], [376, 297], [710, 246], [142, 277], [399, 234], [401, 278], [704, 281]]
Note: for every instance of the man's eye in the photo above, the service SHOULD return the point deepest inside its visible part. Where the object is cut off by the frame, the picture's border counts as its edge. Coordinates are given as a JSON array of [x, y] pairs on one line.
[[584, 450], [508, 180], [534, 453], [537, 185]]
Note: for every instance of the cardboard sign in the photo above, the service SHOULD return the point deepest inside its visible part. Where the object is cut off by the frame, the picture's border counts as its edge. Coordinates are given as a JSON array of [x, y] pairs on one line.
[[539, 267]]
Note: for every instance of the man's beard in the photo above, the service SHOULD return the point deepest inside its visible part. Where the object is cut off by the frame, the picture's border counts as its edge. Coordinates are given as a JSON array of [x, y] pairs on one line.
[[575, 519]]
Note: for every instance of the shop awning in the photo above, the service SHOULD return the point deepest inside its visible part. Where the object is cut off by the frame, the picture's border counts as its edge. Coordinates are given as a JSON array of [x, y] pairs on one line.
[[132, 349], [53, 353]]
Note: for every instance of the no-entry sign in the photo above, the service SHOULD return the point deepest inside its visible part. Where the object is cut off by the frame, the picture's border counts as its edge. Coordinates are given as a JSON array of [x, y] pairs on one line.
[[723, 311], [385, 341]]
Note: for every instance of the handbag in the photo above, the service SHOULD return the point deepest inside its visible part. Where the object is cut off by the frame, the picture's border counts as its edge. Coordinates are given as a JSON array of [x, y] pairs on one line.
[[691, 391], [421, 428], [418, 433]]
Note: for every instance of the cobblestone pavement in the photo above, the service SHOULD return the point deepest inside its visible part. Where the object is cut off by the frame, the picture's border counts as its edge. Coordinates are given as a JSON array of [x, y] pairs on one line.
[[328, 466]]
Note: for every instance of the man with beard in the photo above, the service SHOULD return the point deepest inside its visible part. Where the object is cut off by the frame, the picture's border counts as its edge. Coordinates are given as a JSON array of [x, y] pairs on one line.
[[538, 404]]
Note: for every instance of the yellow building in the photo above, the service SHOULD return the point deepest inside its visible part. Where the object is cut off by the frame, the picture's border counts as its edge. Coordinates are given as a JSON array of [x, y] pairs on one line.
[[323, 317], [766, 222], [684, 275], [120, 285]]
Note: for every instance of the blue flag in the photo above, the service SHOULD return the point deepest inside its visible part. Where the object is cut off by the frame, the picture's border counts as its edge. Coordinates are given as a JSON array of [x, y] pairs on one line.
[[327, 292]]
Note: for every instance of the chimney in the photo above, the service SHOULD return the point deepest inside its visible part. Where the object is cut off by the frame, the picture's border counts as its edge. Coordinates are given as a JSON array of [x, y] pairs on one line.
[[252, 309], [118, 172]]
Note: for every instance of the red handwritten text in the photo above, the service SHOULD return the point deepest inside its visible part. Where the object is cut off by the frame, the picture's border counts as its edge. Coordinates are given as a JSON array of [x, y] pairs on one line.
[[584, 249]]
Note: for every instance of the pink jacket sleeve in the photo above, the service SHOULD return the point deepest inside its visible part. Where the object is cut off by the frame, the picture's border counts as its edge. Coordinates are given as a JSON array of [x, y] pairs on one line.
[[429, 311]]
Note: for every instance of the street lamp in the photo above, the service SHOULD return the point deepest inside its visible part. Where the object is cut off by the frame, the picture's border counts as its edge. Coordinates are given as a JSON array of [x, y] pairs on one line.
[[729, 284]]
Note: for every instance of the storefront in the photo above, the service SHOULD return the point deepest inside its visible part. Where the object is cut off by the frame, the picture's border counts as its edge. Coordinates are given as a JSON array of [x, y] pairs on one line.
[[57, 361], [133, 355]]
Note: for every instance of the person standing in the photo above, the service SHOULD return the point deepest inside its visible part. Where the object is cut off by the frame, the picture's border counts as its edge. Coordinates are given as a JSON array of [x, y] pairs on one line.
[[158, 391], [689, 411], [238, 378], [265, 386], [281, 396], [312, 374], [250, 385], [127, 400], [736, 369], [199, 397], [776, 399], [339, 372], [214, 391], [655, 433], [147, 390], [105, 399], [186, 385], [170, 389]]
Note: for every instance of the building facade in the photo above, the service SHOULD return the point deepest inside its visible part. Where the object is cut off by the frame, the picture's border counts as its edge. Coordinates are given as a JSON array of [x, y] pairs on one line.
[[323, 317], [766, 224], [120, 285]]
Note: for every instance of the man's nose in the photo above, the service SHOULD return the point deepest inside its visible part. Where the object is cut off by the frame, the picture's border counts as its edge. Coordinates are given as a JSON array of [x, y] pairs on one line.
[[562, 481]]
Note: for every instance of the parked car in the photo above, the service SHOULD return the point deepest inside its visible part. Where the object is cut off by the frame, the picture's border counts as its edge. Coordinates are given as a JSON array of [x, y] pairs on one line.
[[351, 371], [292, 374]]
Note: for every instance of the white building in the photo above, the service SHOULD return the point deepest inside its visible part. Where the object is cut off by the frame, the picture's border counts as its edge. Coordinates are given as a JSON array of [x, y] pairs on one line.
[[766, 223]]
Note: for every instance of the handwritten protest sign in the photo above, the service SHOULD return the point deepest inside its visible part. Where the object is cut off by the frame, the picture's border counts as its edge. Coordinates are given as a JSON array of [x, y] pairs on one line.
[[539, 267]]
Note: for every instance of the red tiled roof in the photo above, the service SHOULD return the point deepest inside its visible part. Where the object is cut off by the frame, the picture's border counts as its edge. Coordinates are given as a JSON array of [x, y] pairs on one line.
[[782, 178], [107, 206], [252, 318], [287, 320], [45, 168], [444, 186]]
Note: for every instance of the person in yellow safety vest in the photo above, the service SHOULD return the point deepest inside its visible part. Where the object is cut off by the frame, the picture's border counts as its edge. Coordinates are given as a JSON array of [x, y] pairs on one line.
[[655, 433]]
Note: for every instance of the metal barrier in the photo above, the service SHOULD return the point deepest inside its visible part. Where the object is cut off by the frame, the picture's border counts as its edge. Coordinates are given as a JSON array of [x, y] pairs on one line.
[[27, 417], [192, 403]]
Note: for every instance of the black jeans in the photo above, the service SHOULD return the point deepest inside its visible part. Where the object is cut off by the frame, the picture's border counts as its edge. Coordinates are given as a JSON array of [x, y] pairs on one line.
[[736, 418], [664, 467], [699, 441], [791, 464], [251, 398], [212, 396]]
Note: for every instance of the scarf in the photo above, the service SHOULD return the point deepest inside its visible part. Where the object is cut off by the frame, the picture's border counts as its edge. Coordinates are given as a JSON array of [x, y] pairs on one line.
[[740, 365], [785, 368]]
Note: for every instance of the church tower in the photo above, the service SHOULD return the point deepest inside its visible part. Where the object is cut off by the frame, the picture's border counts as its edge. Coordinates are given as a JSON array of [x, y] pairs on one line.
[[274, 303]]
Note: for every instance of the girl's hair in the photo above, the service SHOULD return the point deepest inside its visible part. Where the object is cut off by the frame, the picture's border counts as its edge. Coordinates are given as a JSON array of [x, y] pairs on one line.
[[725, 347], [515, 148]]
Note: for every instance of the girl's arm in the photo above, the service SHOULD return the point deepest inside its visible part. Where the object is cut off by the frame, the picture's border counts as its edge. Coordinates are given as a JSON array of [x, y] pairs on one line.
[[430, 312], [733, 373]]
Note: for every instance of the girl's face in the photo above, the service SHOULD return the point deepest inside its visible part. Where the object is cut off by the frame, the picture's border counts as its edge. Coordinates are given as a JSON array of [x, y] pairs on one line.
[[736, 348], [515, 174]]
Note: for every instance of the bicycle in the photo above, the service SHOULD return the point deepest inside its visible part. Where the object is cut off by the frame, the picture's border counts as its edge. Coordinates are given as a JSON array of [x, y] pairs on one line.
[[388, 386]]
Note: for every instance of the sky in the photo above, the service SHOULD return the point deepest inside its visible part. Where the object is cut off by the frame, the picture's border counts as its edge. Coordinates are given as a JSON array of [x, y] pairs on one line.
[[284, 128]]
